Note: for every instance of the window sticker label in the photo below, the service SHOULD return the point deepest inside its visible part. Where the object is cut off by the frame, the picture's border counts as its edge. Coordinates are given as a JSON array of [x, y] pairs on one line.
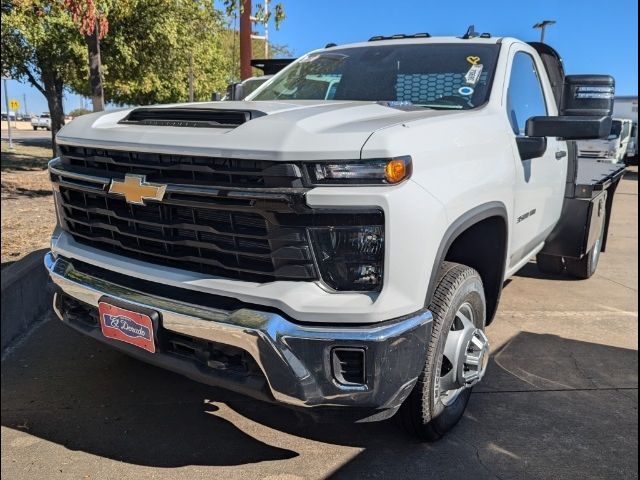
[[472, 77]]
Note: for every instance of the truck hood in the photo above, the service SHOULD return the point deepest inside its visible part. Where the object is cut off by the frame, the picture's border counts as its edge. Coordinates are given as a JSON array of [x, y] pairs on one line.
[[297, 130]]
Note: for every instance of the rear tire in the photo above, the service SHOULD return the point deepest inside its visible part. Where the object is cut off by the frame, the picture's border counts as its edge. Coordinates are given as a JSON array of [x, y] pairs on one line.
[[35, 129], [586, 267], [550, 264], [429, 412]]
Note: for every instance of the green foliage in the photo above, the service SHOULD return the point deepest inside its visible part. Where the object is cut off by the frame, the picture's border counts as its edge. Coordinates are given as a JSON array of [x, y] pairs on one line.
[[39, 39], [232, 7], [146, 54], [77, 112], [230, 46]]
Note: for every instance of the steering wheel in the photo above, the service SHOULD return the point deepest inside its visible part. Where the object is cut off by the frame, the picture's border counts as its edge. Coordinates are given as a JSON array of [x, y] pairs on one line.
[[454, 100]]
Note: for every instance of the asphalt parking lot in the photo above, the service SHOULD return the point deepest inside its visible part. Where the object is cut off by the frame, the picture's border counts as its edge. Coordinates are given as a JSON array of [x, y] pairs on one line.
[[560, 400]]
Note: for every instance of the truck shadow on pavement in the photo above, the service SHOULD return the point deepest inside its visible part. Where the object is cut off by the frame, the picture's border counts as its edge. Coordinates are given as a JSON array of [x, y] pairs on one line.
[[549, 408]]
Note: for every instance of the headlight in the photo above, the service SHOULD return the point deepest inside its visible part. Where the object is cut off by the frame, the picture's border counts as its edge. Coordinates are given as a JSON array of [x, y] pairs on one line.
[[350, 258], [364, 172]]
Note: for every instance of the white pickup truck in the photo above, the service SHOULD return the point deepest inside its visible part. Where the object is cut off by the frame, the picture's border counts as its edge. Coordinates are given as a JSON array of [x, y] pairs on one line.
[[42, 121], [340, 256], [614, 147]]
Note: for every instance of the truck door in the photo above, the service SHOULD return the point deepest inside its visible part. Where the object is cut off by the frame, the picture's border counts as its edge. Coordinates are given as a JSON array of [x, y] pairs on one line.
[[540, 182]]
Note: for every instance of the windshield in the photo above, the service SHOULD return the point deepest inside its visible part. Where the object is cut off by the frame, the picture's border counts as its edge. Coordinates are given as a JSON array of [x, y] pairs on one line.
[[252, 84], [444, 76], [616, 128]]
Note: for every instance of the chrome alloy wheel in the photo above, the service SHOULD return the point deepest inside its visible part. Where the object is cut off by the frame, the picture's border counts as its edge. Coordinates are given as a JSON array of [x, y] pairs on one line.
[[465, 358]]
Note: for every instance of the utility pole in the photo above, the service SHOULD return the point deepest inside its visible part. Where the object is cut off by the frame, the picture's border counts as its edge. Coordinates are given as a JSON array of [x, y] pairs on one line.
[[542, 26], [24, 100], [6, 102], [245, 39], [265, 37], [266, 29]]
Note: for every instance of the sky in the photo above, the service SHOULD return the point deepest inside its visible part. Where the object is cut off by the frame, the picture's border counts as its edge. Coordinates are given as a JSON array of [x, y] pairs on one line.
[[592, 36]]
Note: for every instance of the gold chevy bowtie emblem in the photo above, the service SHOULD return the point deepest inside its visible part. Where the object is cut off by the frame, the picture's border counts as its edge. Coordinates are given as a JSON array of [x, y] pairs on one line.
[[136, 189]]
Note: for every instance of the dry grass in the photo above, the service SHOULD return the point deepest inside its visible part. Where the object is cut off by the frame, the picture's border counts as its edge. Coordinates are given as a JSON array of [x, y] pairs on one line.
[[28, 216]]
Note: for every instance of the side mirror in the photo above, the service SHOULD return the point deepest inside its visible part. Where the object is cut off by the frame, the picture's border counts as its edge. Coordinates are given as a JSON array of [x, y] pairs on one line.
[[585, 110], [531, 147], [569, 127], [235, 91]]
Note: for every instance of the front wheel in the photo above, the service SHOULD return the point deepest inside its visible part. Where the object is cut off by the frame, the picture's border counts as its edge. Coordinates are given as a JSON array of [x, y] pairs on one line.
[[457, 354]]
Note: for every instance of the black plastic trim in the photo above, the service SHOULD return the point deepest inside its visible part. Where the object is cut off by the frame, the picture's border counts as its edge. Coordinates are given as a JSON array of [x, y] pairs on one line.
[[459, 226]]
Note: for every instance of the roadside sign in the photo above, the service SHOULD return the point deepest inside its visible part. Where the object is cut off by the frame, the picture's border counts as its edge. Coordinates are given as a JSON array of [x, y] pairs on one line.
[[14, 105]]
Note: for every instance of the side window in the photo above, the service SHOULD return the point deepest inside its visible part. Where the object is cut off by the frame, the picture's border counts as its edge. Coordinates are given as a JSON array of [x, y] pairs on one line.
[[525, 97]]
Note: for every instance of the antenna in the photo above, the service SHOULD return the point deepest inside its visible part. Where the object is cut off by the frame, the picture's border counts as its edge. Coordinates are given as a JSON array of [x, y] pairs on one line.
[[471, 33]]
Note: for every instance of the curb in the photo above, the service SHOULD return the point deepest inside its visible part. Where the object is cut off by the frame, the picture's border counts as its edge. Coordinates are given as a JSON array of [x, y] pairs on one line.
[[26, 296]]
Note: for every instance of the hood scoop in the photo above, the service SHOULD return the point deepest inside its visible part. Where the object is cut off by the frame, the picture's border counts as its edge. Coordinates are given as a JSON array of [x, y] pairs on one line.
[[190, 117]]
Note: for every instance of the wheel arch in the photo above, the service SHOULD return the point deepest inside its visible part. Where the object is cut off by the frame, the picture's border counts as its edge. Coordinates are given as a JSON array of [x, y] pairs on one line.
[[478, 239]]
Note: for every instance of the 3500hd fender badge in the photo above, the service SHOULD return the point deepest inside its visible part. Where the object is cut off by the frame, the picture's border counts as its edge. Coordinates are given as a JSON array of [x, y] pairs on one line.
[[524, 216]]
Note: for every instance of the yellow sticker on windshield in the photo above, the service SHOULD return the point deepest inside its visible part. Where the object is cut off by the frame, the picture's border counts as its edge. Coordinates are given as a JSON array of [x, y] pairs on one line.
[[473, 60]]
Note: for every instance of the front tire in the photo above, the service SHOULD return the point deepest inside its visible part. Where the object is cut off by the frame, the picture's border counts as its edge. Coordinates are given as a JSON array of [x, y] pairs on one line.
[[457, 354]]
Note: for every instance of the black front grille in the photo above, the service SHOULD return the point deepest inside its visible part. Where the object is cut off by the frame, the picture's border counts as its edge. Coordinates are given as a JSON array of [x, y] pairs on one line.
[[222, 242], [253, 234], [184, 169]]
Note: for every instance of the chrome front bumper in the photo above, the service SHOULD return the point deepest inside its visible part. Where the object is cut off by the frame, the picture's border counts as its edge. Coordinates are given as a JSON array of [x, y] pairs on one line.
[[295, 359]]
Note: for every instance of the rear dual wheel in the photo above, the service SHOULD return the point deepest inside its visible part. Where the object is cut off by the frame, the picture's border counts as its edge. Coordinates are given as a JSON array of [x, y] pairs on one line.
[[457, 354], [582, 268]]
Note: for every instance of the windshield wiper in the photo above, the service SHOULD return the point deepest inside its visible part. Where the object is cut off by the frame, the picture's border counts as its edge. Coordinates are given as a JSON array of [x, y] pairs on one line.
[[439, 106]]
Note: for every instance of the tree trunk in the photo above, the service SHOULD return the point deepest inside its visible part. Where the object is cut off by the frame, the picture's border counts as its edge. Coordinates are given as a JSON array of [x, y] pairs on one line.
[[53, 89], [95, 66]]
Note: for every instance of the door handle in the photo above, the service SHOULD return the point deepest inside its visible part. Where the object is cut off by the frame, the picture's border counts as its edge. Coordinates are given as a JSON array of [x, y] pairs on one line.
[[561, 154]]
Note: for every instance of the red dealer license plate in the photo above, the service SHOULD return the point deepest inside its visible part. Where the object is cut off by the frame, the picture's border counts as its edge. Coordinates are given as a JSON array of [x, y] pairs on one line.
[[126, 326]]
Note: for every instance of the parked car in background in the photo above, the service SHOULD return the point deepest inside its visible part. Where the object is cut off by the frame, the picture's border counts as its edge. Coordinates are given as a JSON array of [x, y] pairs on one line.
[[632, 147], [42, 121], [614, 147], [626, 107], [12, 115]]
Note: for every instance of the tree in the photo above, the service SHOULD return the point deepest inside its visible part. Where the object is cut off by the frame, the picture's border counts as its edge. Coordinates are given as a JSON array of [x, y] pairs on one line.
[[91, 18], [77, 112], [247, 16], [146, 55], [41, 45]]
